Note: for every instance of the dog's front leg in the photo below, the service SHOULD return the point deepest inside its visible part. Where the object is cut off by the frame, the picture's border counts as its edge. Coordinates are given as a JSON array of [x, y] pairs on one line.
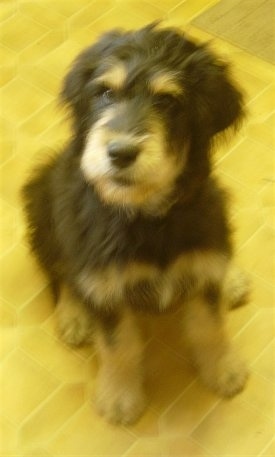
[[74, 322], [219, 367], [119, 397]]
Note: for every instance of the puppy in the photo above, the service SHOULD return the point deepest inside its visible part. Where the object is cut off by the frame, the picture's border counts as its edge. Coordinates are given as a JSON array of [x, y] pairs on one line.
[[128, 216]]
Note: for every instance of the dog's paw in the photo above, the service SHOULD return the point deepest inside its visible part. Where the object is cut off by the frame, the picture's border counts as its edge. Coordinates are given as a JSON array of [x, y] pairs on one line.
[[229, 377], [120, 406], [236, 288], [74, 331]]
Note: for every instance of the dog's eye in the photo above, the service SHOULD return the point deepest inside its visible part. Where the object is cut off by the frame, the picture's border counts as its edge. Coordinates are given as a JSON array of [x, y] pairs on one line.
[[105, 93], [108, 96], [166, 99]]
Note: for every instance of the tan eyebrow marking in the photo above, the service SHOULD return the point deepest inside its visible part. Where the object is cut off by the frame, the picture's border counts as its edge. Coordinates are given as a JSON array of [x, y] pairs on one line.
[[165, 83], [114, 77]]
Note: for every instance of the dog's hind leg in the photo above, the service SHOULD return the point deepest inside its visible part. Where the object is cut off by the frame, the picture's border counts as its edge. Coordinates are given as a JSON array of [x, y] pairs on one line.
[[120, 397], [219, 367], [74, 322]]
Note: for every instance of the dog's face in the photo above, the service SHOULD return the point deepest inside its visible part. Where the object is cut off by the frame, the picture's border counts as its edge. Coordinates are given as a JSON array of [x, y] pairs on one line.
[[132, 153], [147, 104]]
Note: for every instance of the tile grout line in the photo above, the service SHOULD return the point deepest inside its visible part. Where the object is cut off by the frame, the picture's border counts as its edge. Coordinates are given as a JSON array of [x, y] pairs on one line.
[[268, 86], [266, 447], [207, 6], [262, 279], [41, 404], [181, 2], [235, 180], [59, 387], [262, 352], [257, 410], [218, 401], [250, 238], [91, 23], [256, 141], [244, 327], [209, 453], [229, 151], [172, 404]]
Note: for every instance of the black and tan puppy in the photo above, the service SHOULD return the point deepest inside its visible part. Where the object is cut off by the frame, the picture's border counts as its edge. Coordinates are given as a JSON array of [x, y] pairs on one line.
[[127, 217]]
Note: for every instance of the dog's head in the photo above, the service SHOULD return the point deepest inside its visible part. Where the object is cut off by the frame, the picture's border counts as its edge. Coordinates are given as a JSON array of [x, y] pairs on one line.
[[147, 104]]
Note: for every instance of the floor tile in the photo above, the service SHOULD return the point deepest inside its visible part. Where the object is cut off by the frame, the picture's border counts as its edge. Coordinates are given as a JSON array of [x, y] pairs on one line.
[[188, 411], [255, 164], [270, 450], [52, 415], [264, 363], [54, 357], [37, 310], [17, 266], [259, 394], [164, 387], [258, 333], [24, 386], [27, 32], [147, 447], [237, 419], [9, 230], [83, 436], [9, 441], [251, 254]]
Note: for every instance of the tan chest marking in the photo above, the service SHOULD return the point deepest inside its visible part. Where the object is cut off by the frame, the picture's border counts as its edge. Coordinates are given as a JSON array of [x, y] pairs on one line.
[[108, 286]]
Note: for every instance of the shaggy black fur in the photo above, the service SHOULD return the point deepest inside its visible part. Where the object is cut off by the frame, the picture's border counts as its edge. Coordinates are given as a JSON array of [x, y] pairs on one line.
[[70, 228]]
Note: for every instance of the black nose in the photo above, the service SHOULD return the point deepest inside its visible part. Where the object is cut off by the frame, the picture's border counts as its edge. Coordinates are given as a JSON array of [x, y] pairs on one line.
[[122, 155]]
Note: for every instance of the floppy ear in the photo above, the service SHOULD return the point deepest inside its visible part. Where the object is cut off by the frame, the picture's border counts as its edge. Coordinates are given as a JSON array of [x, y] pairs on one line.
[[77, 77], [219, 103], [82, 70]]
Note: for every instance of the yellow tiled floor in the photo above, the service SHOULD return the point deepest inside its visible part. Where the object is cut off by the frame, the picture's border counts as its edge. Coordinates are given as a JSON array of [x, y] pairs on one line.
[[46, 388]]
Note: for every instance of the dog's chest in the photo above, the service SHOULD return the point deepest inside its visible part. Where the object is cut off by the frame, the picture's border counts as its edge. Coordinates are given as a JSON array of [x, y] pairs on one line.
[[149, 264], [138, 285], [145, 286]]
